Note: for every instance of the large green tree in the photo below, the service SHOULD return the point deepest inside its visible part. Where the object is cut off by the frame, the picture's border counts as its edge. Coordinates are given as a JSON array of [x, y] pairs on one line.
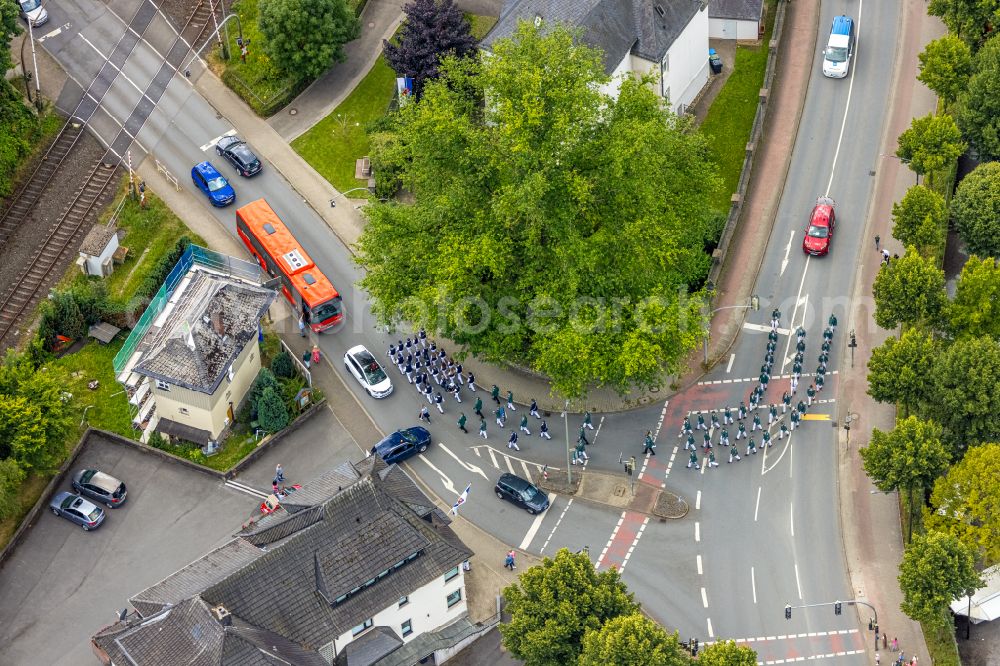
[[909, 290], [976, 209], [552, 225], [303, 38], [920, 219], [969, 19], [979, 106], [945, 66], [966, 392], [727, 653], [931, 143], [555, 603], [632, 640], [11, 476], [34, 418], [909, 457], [936, 569], [975, 309], [899, 370], [966, 502]]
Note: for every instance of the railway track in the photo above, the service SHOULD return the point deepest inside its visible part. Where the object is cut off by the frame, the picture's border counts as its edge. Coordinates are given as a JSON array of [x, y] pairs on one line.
[[31, 191], [24, 293]]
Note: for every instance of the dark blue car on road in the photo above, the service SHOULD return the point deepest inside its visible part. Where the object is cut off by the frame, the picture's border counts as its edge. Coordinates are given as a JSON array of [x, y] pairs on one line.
[[207, 179], [402, 444]]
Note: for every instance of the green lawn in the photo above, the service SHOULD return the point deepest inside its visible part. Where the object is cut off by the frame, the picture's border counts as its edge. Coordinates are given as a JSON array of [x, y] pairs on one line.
[[333, 144], [105, 408], [481, 24], [728, 123]]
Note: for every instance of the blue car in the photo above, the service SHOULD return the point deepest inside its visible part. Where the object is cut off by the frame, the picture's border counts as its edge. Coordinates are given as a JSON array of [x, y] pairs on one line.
[[213, 184], [402, 444]]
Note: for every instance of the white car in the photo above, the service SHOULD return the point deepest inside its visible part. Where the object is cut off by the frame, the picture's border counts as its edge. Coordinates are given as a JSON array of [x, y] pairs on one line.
[[368, 372], [33, 12]]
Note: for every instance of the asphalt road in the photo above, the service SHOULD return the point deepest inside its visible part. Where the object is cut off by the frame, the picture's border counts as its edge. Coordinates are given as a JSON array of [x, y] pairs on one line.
[[729, 567]]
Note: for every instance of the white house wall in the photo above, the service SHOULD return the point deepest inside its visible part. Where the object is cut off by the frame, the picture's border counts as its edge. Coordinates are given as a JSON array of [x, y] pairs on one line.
[[687, 69], [747, 31], [426, 610], [613, 87]]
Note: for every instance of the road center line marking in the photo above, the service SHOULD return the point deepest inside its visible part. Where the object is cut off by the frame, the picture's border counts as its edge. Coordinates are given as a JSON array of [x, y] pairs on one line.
[[711, 634], [697, 531], [554, 527], [847, 106], [704, 597], [535, 524], [757, 507], [729, 366], [753, 584], [697, 501], [700, 573], [798, 585], [791, 517]]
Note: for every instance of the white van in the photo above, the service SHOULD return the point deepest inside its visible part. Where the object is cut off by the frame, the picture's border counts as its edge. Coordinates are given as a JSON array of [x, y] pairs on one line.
[[840, 48]]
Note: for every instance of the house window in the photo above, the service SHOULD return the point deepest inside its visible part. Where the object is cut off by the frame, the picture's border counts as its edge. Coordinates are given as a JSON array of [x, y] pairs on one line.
[[666, 63], [361, 627], [403, 601], [451, 574], [162, 385], [407, 628], [183, 410], [454, 597]]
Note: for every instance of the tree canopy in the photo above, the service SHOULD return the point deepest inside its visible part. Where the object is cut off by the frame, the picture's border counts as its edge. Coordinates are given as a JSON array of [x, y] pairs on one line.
[[936, 569], [974, 311], [979, 105], [965, 502], [727, 653], [552, 226], [976, 209], [34, 420], [931, 143], [966, 390], [969, 19], [305, 37], [920, 218], [632, 640], [909, 290], [899, 370], [945, 66], [555, 603], [433, 29]]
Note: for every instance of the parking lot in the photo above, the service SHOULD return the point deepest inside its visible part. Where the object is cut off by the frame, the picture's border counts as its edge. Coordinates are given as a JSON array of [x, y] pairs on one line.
[[63, 584]]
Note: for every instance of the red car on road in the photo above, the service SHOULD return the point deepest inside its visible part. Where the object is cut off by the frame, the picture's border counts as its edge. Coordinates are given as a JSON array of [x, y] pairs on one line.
[[819, 233]]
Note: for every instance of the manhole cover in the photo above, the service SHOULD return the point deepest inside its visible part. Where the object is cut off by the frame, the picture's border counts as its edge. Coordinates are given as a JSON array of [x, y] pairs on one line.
[[371, 25], [619, 491], [292, 112]]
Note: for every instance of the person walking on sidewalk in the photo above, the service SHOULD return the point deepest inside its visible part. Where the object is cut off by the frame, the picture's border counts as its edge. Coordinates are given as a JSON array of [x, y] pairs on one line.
[[482, 428], [543, 431], [438, 401], [733, 453], [302, 326], [533, 410], [510, 401], [307, 359], [583, 435], [316, 355], [650, 445], [495, 394], [508, 561], [524, 425], [461, 423], [581, 453], [424, 415], [832, 322], [512, 441], [878, 242]]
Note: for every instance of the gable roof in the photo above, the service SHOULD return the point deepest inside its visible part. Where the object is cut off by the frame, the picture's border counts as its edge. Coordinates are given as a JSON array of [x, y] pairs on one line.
[[305, 577], [744, 10], [617, 27], [187, 349], [97, 239]]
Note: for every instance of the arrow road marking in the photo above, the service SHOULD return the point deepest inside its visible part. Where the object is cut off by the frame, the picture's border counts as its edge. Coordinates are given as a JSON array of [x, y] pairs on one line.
[[788, 248], [468, 467], [57, 31], [445, 481]]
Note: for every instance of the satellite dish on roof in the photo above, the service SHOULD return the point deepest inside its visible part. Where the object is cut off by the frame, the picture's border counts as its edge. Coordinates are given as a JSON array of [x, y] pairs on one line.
[[122, 614]]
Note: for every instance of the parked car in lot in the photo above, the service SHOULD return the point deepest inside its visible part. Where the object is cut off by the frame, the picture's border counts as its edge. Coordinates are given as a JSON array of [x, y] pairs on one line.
[[33, 12], [72, 507], [101, 487], [238, 153], [402, 444], [211, 182], [819, 231], [521, 492], [362, 364]]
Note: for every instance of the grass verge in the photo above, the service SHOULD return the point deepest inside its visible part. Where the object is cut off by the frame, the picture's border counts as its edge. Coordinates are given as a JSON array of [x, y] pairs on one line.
[[333, 144], [481, 25], [728, 123]]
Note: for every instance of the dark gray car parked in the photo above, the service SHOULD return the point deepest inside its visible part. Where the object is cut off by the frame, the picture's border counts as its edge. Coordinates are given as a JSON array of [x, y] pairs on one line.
[[75, 508], [101, 487]]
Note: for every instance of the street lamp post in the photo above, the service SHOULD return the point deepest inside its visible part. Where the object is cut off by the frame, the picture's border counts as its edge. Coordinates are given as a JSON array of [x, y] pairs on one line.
[[34, 59], [25, 74], [569, 474], [753, 303]]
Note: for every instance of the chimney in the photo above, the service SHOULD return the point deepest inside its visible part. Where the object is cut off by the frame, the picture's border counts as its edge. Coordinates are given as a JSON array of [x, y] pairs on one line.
[[217, 322], [222, 615]]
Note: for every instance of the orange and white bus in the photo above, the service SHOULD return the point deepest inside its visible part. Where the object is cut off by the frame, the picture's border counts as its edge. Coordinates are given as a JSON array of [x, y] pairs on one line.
[[280, 255]]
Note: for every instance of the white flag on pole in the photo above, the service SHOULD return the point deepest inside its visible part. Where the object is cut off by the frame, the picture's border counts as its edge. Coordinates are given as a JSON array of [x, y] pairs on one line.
[[461, 500]]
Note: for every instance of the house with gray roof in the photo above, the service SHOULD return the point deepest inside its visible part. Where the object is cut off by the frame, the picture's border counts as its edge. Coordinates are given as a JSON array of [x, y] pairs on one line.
[[666, 37], [736, 19], [197, 356], [357, 568]]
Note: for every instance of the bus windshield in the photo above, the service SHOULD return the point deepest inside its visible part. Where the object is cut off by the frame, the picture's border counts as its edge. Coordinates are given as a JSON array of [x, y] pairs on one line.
[[327, 310]]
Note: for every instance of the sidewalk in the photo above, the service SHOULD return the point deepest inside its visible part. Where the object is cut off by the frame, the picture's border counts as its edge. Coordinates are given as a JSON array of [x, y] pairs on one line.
[[379, 21], [873, 541]]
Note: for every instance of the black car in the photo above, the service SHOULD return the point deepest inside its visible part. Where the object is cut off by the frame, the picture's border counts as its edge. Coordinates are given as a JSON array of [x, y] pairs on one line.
[[402, 444], [236, 150], [523, 493], [101, 487]]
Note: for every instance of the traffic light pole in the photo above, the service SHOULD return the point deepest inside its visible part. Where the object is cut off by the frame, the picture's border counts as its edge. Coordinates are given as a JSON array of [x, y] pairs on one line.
[[872, 624]]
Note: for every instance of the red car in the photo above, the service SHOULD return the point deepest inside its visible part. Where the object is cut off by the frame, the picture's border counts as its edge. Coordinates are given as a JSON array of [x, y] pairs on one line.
[[819, 233]]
